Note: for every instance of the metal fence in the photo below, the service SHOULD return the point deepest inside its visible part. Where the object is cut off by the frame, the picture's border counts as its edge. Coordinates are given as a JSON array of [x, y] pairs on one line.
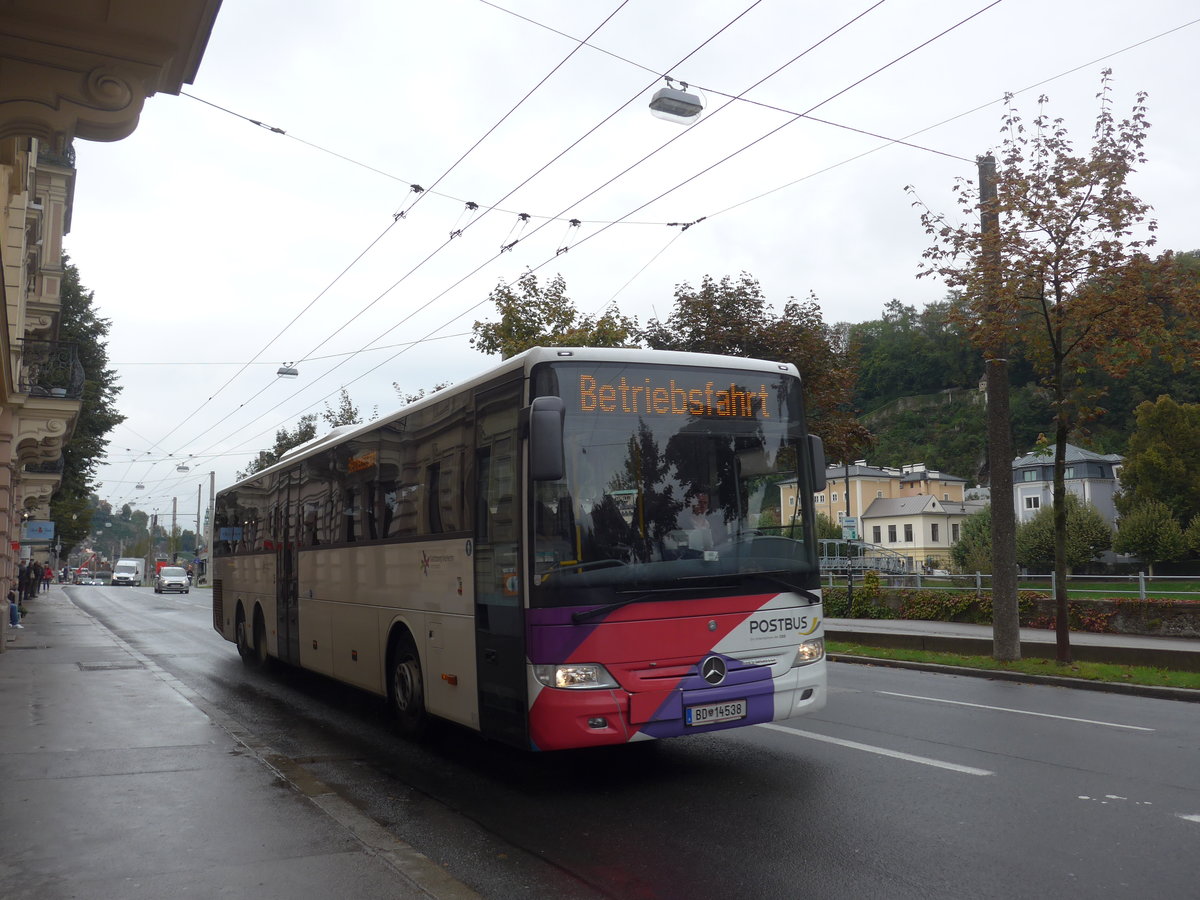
[[1139, 585]]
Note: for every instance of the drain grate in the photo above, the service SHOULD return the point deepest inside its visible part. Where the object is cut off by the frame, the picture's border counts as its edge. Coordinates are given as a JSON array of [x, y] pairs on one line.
[[109, 666]]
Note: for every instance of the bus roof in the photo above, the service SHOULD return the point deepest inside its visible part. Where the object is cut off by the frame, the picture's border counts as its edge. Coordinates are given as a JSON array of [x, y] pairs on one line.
[[525, 362]]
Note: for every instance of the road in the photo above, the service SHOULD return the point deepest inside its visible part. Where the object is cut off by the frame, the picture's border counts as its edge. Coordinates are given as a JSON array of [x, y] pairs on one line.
[[909, 784]]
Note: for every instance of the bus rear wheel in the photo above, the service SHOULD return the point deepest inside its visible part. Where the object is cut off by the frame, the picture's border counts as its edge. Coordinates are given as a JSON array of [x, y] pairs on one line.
[[406, 689], [251, 644]]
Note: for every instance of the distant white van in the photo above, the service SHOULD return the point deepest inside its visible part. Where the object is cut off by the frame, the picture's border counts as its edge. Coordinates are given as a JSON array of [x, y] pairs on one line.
[[129, 572]]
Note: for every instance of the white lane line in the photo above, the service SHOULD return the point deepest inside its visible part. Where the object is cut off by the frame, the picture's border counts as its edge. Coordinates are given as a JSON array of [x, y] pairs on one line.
[[1189, 818], [1020, 712], [881, 751]]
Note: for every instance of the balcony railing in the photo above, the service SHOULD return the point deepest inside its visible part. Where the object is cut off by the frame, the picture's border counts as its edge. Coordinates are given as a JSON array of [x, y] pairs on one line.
[[49, 467], [50, 369]]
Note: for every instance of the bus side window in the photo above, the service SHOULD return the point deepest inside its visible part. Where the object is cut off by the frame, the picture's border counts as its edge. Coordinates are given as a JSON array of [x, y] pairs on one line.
[[433, 497]]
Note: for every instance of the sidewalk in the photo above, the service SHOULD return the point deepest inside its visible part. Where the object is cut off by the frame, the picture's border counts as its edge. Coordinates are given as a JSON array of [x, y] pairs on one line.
[[117, 784]]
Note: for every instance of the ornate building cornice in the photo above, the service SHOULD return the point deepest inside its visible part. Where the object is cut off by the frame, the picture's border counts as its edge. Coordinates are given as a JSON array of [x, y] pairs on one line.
[[76, 68]]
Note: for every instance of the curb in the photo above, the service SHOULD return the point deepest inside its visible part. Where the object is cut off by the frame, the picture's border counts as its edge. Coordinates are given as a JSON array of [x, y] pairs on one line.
[[1082, 684]]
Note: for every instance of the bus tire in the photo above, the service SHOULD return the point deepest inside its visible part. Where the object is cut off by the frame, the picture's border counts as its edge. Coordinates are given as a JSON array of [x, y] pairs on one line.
[[406, 687], [242, 638]]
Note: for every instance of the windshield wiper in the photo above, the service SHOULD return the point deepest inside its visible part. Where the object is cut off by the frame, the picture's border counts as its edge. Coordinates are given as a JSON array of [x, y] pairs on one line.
[[603, 610], [774, 578]]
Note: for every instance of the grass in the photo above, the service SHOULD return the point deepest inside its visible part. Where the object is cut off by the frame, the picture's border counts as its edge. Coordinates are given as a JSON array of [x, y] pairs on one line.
[[1089, 671]]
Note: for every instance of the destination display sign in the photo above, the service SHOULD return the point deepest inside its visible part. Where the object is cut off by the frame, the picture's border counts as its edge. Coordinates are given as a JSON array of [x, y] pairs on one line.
[[662, 395]]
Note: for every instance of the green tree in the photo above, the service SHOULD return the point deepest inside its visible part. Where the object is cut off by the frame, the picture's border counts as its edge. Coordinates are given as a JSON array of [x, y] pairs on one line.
[[1064, 275], [1151, 533], [1162, 462], [1088, 535], [81, 325], [535, 316], [827, 529], [345, 414], [285, 440], [1192, 535], [973, 552], [734, 318]]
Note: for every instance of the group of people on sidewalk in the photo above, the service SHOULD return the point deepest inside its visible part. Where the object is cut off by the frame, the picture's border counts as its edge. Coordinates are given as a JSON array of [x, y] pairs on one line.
[[32, 579]]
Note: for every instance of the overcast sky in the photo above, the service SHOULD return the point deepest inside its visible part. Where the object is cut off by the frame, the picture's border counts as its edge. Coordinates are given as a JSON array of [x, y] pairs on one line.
[[217, 246]]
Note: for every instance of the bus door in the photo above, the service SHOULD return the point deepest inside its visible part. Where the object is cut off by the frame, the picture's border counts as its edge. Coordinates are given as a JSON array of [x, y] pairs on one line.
[[499, 620], [287, 583]]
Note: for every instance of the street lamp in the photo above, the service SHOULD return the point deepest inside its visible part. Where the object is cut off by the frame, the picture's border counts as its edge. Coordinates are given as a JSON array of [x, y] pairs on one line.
[[287, 370], [676, 105]]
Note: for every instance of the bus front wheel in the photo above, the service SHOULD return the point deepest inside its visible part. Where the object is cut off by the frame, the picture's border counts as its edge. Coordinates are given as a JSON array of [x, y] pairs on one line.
[[406, 689]]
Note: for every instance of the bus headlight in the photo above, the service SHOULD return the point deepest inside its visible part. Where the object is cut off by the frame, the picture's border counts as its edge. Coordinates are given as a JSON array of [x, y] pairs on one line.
[[574, 675], [810, 652]]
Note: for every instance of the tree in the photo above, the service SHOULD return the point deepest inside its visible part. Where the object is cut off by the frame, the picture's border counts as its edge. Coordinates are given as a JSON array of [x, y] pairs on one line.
[[734, 318], [345, 414], [1162, 463], [1192, 535], [535, 316], [305, 430], [827, 529], [1151, 533], [1068, 279], [973, 552], [1088, 535], [407, 397], [79, 324]]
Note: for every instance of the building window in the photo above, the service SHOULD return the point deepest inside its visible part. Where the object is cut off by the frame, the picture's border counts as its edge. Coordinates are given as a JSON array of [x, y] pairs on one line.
[[891, 534], [954, 532], [933, 532], [791, 501], [878, 495], [833, 498], [876, 534], [1030, 475], [1069, 472], [1033, 502], [945, 496], [820, 498], [908, 532]]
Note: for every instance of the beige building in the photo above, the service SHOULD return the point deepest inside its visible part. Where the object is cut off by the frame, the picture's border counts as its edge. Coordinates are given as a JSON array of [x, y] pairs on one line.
[[850, 490], [68, 69], [921, 528]]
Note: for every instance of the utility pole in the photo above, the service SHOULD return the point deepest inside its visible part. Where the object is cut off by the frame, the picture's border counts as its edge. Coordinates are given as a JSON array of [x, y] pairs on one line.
[[1006, 625]]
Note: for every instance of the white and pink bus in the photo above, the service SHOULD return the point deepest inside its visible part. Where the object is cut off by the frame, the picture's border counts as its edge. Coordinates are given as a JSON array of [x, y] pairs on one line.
[[580, 547]]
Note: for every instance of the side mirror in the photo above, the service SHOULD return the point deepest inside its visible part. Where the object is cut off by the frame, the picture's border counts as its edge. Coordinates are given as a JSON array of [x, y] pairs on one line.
[[546, 417], [816, 456]]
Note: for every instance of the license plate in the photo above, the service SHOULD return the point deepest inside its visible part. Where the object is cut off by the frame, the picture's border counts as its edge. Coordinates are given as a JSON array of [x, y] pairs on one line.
[[715, 712]]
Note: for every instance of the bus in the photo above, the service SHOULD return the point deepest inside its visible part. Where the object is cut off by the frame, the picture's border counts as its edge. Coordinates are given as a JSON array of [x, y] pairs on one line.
[[568, 551]]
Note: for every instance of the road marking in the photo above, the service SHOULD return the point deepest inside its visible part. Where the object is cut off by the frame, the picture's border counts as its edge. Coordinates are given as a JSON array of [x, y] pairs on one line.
[[881, 751], [1189, 818], [1020, 712]]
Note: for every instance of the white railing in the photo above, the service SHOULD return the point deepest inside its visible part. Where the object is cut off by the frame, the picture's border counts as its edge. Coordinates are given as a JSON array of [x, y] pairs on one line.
[[1139, 585]]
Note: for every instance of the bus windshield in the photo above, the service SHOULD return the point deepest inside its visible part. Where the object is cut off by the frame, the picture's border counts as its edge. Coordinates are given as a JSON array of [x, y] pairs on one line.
[[682, 481]]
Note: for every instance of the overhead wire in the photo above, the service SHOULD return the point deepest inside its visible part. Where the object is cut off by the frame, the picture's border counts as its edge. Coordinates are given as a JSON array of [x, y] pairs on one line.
[[403, 214], [572, 223], [890, 141], [605, 184]]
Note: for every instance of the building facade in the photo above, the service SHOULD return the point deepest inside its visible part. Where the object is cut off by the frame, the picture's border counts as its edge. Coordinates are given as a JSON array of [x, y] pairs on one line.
[[1092, 477], [850, 490], [68, 69]]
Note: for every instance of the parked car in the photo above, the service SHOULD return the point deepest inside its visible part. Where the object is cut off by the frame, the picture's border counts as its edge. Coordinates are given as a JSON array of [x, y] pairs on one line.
[[171, 578]]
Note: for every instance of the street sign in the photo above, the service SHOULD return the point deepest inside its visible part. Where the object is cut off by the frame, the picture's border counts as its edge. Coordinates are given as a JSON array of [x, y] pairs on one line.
[[850, 528], [36, 530]]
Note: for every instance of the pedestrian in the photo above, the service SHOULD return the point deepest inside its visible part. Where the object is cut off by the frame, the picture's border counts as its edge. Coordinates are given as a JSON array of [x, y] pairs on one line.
[[14, 611], [47, 575], [25, 581], [33, 577]]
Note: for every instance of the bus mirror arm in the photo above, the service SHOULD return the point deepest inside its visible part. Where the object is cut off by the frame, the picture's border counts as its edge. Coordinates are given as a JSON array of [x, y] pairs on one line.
[[816, 453], [546, 417]]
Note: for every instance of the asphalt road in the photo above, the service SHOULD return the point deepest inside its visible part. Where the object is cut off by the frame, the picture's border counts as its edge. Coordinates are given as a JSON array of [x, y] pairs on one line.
[[909, 784]]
